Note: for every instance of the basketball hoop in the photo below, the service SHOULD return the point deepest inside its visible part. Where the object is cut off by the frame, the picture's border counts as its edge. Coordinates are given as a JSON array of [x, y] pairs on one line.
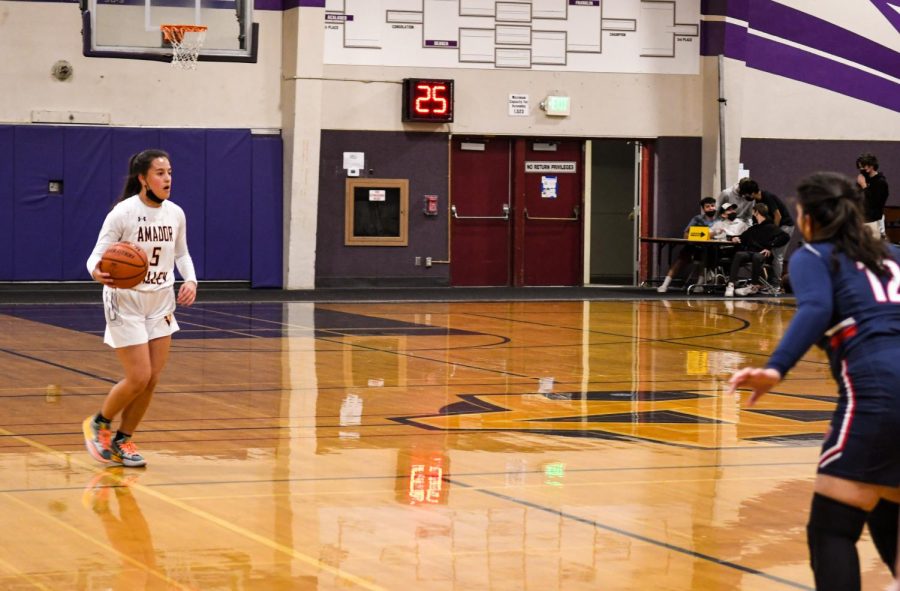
[[186, 42]]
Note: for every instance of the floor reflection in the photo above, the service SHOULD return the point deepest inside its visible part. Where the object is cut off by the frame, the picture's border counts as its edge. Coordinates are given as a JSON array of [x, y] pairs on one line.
[[110, 496]]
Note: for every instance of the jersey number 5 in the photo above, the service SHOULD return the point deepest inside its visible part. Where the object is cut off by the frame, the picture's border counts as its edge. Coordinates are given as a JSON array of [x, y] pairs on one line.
[[154, 260], [882, 295]]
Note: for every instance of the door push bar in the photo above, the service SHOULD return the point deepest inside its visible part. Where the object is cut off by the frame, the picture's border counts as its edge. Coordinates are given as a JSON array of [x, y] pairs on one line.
[[505, 215], [575, 213]]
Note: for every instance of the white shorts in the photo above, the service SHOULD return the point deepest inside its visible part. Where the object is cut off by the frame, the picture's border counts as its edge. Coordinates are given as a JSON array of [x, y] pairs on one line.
[[136, 317]]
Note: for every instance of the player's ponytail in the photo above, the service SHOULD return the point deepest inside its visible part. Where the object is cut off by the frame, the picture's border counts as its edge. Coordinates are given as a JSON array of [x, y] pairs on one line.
[[834, 204], [139, 164]]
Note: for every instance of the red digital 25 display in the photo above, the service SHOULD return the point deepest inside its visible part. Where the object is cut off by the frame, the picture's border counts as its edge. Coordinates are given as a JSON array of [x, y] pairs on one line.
[[429, 101]]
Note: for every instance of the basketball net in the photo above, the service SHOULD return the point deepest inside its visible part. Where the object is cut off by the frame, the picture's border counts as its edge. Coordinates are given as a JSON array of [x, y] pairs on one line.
[[186, 42]]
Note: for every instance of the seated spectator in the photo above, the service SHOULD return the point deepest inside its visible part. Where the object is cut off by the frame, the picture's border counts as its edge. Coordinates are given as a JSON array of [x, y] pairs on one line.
[[688, 253], [780, 215], [755, 245], [728, 225]]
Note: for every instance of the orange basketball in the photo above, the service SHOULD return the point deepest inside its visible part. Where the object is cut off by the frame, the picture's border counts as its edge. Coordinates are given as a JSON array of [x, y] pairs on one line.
[[126, 263]]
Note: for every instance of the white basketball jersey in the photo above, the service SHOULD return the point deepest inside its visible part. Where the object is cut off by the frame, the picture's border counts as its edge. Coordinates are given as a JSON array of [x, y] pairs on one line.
[[160, 231]]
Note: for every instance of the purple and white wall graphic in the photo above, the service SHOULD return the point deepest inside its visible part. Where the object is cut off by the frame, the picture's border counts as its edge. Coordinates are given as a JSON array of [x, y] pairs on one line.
[[775, 38], [891, 10]]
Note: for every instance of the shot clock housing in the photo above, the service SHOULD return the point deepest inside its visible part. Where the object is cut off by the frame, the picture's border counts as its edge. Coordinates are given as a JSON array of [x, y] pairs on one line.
[[427, 100]]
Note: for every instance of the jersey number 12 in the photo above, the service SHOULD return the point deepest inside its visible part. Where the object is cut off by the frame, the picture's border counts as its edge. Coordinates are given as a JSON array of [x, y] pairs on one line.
[[882, 295]]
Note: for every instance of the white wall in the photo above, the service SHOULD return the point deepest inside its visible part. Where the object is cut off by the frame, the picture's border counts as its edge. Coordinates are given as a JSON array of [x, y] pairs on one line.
[[147, 93], [776, 107], [603, 105], [132, 92]]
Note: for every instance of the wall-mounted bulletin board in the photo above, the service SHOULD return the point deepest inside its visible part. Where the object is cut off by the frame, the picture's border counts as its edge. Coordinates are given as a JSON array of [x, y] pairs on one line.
[[376, 212]]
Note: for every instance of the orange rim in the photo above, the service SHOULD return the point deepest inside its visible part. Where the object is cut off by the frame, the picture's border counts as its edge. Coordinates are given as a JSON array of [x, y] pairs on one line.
[[173, 32]]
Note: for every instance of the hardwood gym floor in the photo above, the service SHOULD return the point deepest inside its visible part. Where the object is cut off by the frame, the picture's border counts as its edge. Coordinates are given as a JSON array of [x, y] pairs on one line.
[[535, 445]]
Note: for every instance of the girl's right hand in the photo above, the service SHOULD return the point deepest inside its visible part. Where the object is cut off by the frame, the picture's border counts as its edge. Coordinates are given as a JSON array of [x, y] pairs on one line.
[[101, 277]]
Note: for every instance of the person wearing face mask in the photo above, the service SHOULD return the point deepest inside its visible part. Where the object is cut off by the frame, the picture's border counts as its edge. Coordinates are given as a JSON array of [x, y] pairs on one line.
[[875, 192], [733, 195], [706, 217], [728, 225], [780, 216], [140, 321]]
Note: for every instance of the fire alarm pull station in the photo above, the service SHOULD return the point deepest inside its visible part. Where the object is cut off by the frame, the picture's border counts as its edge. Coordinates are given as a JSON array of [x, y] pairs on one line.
[[431, 205]]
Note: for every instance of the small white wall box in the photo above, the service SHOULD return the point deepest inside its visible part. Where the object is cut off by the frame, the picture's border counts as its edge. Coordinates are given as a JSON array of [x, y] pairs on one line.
[[557, 106]]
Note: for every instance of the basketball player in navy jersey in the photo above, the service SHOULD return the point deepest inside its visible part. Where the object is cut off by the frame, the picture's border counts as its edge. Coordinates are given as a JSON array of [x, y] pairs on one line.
[[847, 284], [140, 320]]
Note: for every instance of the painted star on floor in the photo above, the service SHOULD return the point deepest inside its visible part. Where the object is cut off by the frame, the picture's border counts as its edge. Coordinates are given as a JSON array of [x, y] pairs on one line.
[[675, 417]]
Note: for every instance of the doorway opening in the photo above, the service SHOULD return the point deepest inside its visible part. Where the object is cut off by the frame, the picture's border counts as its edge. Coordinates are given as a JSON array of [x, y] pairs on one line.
[[616, 196]]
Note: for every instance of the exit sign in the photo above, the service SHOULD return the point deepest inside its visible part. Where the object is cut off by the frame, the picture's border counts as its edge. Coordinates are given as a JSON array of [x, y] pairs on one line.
[[557, 106]]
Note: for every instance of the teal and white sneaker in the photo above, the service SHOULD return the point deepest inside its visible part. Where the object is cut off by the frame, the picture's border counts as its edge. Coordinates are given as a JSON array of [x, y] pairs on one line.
[[97, 438], [124, 451]]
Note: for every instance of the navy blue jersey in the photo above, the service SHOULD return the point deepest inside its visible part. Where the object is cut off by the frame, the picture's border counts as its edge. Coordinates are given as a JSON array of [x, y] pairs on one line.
[[843, 310]]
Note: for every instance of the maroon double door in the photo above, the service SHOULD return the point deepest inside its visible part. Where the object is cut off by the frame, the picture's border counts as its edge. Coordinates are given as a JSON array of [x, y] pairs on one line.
[[516, 207]]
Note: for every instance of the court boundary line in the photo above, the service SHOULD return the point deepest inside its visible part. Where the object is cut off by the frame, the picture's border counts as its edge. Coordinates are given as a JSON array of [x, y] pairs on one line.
[[404, 476], [58, 365], [67, 459], [634, 536], [156, 573]]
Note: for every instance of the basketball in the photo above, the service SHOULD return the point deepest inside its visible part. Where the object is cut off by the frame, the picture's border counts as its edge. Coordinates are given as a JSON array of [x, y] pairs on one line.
[[126, 263]]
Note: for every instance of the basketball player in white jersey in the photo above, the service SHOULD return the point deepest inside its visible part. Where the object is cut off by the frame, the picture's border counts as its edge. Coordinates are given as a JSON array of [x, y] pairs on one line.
[[140, 320]]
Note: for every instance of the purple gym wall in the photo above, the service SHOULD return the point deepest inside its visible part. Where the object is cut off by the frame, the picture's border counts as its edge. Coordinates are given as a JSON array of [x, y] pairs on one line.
[[677, 181], [232, 214], [420, 157], [676, 190], [777, 165]]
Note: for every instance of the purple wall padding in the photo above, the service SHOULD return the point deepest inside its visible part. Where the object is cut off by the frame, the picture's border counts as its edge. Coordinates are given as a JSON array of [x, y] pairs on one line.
[[7, 178], [187, 148], [125, 143], [229, 160], [86, 197], [267, 206], [222, 185], [38, 231]]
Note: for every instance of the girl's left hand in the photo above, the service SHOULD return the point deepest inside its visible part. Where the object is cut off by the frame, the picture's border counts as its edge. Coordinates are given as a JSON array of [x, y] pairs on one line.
[[187, 293], [758, 379]]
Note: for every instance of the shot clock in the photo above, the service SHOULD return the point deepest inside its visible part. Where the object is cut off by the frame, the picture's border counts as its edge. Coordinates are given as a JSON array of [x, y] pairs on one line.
[[427, 101]]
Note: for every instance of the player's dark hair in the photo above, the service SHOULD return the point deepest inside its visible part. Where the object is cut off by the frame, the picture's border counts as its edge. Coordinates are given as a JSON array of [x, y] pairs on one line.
[[867, 159], [748, 187], [834, 204], [137, 165], [706, 200]]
